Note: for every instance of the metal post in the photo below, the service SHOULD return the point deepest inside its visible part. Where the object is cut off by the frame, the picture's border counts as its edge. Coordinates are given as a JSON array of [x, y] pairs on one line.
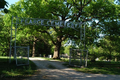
[[84, 44], [16, 59], [86, 59], [70, 56], [84, 36], [81, 33], [15, 42], [81, 58], [28, 54], [84, 52], [10, 42]]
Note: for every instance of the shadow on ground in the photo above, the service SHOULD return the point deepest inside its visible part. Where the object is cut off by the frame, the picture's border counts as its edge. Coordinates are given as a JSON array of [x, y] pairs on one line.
[[54, 70]]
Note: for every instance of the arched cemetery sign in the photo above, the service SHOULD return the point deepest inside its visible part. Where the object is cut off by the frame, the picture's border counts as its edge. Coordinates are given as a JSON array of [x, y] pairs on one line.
[[48, 22], [16, 21]]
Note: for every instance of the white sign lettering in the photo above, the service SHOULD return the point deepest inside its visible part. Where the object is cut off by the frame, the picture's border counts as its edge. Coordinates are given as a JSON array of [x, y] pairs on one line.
[[42, 22], [30, 22], [46, 22], [52, 23]]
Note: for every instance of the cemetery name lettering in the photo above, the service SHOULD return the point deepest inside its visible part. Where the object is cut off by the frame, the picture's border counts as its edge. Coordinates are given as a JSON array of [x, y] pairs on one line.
[[46, 22]]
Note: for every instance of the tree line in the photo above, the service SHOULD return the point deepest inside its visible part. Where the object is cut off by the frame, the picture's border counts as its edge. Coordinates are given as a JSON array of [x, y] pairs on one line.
[[101, 18]]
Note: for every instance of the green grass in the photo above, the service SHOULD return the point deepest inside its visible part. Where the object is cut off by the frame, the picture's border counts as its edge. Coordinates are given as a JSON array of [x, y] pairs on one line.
[[11, 70], [99, 67]]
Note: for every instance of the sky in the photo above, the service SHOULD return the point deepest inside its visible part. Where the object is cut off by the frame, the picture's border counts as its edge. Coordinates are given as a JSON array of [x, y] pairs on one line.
[[11, 1]]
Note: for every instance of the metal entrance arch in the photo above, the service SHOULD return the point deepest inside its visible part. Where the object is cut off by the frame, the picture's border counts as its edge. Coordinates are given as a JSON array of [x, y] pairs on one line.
[[16, 21]]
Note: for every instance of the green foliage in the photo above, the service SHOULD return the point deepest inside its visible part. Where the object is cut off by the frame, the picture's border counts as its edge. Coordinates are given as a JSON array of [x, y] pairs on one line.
[[67, 49], [4, 38], [100, 17], [40, 9]]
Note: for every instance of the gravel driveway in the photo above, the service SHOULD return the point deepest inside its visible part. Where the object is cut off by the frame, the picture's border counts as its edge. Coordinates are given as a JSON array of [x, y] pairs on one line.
[[60, 72]]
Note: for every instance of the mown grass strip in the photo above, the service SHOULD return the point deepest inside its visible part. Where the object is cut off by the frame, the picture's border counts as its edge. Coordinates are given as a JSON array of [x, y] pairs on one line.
[[99, 67], [11, 70]]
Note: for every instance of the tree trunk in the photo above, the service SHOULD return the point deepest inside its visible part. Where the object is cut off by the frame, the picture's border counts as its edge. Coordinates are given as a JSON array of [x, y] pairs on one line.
[[33, 51], [57, 51]]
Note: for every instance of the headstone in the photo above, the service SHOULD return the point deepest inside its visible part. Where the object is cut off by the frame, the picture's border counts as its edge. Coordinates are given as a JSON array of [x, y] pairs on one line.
[[49, 56]]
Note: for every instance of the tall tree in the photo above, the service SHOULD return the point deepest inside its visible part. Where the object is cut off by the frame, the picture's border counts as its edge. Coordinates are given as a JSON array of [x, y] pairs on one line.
[[70, 10]]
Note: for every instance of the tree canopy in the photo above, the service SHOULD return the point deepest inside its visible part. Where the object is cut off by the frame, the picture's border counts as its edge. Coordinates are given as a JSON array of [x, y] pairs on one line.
[[99, 17]]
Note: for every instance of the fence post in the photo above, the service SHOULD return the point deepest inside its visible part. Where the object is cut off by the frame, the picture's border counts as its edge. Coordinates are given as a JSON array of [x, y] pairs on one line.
[[86, 59], [70, 56], [28, 54]]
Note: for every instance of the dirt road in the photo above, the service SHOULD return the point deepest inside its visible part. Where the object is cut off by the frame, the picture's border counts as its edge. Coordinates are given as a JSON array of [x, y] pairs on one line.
[[54, 70]]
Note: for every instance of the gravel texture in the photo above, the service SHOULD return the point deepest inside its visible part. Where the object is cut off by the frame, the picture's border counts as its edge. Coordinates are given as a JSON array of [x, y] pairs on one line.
[[54, 70]]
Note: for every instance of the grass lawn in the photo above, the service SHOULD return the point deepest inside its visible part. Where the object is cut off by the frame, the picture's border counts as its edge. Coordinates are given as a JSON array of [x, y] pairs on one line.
[[99, 67], [11, 70]]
